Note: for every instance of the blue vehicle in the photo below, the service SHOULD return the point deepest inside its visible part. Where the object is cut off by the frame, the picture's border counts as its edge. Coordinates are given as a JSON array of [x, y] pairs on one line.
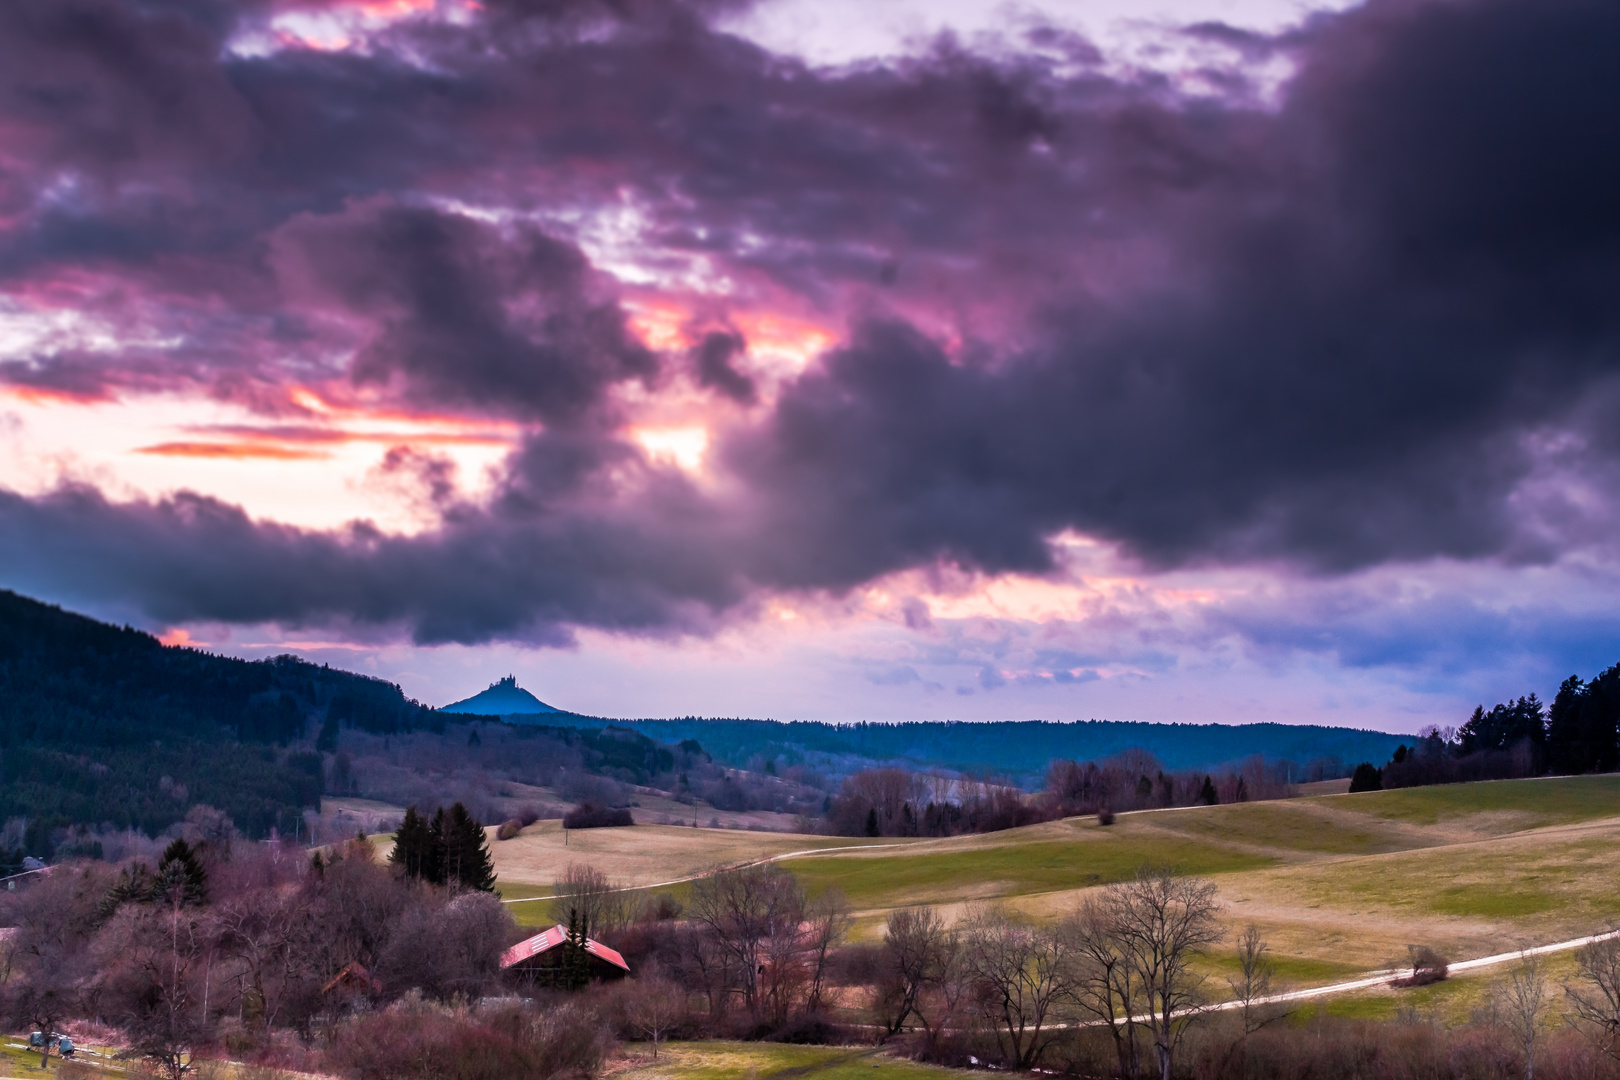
[[63, 1043]]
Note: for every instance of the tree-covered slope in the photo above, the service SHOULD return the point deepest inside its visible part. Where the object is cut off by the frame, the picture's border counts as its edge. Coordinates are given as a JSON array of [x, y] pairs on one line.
[[105, 725]]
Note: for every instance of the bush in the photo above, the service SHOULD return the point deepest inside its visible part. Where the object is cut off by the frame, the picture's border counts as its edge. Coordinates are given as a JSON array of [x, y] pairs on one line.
[[413, 1041], [1105, 816], [589, 815], [509, 829], [1428, 967], [810, 1030]]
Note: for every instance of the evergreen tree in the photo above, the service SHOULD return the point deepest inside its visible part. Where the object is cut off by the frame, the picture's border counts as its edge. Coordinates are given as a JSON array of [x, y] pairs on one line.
[[1207, 794], [1367, 778], [575, 961], [133, 886], [464, 860], [414, 846], [433, 868], [872, 822], [181, 879], [326, 741], [1583, 726]]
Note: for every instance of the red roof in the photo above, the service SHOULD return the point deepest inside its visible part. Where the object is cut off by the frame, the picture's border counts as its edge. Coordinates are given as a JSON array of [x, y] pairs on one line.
[[550, 939]]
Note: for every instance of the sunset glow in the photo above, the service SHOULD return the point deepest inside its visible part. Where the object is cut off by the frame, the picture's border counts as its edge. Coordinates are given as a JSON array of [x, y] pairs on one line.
[[810, 359]]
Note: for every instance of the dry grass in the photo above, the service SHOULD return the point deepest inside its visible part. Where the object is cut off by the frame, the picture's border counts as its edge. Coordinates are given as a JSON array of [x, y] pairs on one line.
[[1339, 884], [641, 855]]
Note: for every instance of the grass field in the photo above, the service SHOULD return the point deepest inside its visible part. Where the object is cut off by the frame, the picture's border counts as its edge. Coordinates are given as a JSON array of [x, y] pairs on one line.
[[765, 1061], [643, 855], [1339, 883]]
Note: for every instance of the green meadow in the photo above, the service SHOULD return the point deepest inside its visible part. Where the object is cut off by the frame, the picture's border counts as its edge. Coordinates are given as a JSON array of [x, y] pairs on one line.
[[773, 1061], [1339, 884]]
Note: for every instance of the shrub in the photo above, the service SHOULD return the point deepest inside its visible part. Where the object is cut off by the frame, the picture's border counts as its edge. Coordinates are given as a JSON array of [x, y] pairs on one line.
[[1428, 967], [1105, 816], [509, 829], [588, 815], [413, 1041]]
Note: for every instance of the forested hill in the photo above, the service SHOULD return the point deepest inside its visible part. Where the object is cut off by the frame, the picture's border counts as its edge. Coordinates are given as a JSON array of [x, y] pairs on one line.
[[1017, 749], [101, 724]]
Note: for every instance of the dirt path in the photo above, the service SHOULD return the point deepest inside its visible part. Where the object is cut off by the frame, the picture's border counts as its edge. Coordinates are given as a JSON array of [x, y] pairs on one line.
[[1379, 978]]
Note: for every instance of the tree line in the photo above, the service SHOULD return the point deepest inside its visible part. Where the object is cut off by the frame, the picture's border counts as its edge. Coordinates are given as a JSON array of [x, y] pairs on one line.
[[892, 801], [1578, 733]]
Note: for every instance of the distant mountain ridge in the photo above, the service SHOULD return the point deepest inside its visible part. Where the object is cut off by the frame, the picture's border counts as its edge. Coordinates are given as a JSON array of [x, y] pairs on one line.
[[503, 698], [1019, 750], [104, 725]]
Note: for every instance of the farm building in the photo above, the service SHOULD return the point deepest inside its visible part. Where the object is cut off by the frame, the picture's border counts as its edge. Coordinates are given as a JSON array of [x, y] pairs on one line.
[[542, 958]]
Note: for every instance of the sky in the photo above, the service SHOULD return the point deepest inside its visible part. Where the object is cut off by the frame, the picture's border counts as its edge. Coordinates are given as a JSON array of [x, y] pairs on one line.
[[1200, 360]]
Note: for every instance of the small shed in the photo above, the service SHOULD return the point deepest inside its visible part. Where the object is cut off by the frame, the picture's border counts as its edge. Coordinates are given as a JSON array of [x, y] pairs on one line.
[[539, 958], [353, 981]]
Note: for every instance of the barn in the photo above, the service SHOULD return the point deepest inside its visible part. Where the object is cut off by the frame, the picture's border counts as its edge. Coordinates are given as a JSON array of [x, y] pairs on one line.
[[541, 958]]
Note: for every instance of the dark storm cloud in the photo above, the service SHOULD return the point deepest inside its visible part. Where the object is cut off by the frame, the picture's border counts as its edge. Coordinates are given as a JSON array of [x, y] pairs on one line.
[[713, 359], [502, 320], [527, 569], [1376, 322]]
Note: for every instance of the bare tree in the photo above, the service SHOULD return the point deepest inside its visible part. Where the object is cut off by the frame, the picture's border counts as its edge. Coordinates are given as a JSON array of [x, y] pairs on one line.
[[916, 945], [1523, 1005], [1595, 999], [749, 914], [598, 900], [654, 1006], [54, 919], [1106, 985], [828, 922], [1253, 983], [42, 1003], [150, 961], [267, 936], [1164, 921], [1021, 974]]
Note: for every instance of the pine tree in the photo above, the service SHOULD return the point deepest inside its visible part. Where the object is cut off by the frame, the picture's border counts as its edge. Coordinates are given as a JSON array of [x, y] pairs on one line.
[[415, 847], [465, 855], [181, 879], [133, 886], [1207, 795], [1367, 777], [575, 969], [433, 868]]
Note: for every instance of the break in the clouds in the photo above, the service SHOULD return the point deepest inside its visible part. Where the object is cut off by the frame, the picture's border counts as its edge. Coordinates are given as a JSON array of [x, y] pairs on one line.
[[1364, 319]]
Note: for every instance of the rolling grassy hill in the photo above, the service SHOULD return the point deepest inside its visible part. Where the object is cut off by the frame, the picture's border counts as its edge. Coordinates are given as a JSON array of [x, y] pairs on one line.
[[1339, 884]]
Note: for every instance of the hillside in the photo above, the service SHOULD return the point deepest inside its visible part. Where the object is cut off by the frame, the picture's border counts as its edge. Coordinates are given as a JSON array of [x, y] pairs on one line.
[[106, 728], [1338, 884], [102, 724]]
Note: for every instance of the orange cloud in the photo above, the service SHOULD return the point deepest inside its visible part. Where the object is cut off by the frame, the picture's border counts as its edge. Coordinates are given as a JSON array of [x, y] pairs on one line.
[[50, 395], [231, 450]]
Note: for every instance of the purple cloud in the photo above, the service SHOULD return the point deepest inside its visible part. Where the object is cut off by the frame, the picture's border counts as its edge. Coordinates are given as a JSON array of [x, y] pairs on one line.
[[1373, 322]]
